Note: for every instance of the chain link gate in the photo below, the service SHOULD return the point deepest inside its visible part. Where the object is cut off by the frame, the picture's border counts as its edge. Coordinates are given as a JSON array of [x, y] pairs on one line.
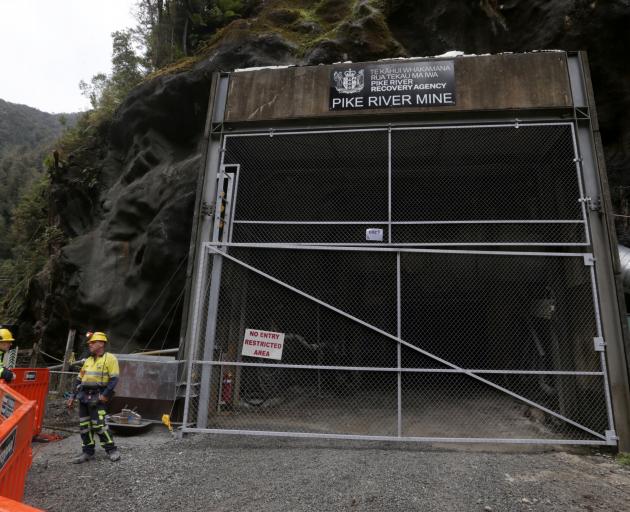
[[360, 246]]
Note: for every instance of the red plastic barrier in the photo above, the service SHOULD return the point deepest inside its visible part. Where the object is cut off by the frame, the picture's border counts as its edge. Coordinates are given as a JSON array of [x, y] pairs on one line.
[[17, 422], [7, 505], [33, 384]]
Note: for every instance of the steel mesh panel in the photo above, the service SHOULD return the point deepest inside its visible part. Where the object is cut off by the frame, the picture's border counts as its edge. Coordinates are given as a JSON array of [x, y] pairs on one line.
[[576, 397], [457, 406], [466, 174], [315, 334], [519, 312], [476, 311], [489, 234], [317, 401], [362, 284], [311, 397], [484, 173], [301, 233], [341, 176]]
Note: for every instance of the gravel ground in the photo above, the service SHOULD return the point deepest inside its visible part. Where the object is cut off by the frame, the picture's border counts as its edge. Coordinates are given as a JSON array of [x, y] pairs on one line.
[[198, 473]]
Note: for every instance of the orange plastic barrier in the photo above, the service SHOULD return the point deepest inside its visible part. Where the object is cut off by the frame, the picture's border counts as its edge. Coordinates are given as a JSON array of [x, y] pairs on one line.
[[7, 505], [32, 383], [17, 422]]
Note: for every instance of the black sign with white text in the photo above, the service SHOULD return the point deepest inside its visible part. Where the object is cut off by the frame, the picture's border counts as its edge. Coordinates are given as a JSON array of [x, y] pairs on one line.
[[427, 83], [7, 448]]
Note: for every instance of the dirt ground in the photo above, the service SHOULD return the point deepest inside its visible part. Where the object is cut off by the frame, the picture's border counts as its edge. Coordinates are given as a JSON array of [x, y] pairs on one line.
[[232, 473]]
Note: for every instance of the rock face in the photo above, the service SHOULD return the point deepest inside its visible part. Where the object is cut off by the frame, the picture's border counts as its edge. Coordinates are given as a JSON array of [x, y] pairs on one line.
[[126, 200]]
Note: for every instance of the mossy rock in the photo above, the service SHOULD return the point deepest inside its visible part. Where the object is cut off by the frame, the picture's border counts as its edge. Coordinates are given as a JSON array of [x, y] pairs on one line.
[[307, 27], [332, 11], [283, 17]]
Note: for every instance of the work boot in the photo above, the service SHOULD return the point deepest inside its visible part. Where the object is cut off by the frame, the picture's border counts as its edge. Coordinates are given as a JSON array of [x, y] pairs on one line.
[[114, 455], [84, 457]]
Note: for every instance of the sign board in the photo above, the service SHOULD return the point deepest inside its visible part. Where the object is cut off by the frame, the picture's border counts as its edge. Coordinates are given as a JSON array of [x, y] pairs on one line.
[[374, 234], [7, 448], [8, 406], [265, 344], [426, 83]]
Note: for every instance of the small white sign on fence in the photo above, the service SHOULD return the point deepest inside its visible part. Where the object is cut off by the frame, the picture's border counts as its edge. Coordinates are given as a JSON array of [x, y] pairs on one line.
[[374, 234], [264, 344]]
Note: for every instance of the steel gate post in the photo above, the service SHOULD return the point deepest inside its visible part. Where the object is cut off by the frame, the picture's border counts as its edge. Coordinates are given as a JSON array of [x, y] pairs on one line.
[[200, 292], [615, 358], [398, 346], [213, 302]]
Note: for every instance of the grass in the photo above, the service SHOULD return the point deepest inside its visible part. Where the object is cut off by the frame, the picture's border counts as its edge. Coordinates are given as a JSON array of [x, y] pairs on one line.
[[624, 459]]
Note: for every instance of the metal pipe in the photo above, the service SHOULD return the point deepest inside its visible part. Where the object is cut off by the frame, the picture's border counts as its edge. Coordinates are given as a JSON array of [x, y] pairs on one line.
[[157, 352], [60, 366], [624, 265], [149, 353]]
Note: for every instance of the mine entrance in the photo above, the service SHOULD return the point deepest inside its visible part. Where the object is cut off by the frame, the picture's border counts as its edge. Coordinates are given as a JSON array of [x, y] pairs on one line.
[[412, 283]]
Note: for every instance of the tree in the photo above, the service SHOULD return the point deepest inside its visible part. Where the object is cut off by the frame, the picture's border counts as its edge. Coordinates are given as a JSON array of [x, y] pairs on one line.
[[126, 65], [171, 29], [106, 92]]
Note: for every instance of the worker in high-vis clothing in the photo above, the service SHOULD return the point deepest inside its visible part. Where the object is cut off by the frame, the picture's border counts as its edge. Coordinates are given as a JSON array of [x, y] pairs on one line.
[[93, 388], [6, 340]]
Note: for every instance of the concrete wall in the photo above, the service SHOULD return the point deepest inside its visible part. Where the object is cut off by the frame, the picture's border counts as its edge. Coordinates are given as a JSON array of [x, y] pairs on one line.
[[492, 82]]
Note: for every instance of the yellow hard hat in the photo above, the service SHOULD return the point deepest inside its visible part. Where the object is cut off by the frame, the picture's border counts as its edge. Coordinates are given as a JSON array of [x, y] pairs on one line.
[[6, 335], [97, 336]]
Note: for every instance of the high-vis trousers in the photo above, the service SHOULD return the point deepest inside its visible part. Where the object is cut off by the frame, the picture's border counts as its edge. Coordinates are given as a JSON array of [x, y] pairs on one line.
[[92, 421]]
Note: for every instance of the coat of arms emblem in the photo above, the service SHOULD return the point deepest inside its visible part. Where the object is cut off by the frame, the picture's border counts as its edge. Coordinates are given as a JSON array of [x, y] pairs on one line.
[[349, 81]]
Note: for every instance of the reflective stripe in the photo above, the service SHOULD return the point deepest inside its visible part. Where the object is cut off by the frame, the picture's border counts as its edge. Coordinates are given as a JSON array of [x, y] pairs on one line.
[[95, 378], [99, 373], [90, 439], [84, 418]]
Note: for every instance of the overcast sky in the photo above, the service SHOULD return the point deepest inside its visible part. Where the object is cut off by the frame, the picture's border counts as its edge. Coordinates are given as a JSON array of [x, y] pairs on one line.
[[48, 46]]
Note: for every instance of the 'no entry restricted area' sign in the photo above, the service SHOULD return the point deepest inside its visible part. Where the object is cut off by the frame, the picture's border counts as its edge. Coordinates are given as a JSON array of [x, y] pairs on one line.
[[264, 344]]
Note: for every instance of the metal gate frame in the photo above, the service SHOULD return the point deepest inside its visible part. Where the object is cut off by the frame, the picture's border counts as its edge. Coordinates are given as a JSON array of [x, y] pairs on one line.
[[217, 249], [389, 222]]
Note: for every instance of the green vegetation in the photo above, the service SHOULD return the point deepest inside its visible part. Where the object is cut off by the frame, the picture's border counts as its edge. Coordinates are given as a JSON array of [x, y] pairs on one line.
[[106, 92], [624, 459], [30, 238], [26, 134], [170, 30]]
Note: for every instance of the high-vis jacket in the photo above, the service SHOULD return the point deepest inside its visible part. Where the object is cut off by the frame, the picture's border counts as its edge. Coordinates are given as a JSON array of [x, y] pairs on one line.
[[99, 372]]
